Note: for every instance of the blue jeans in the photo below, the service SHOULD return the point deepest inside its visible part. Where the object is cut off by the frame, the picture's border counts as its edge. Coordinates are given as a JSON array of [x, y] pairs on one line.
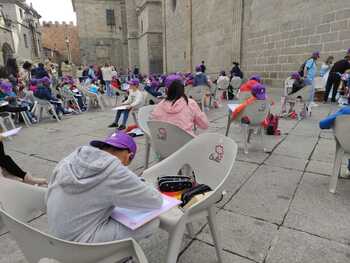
[[108, 88], [311, 83], [125, 116]]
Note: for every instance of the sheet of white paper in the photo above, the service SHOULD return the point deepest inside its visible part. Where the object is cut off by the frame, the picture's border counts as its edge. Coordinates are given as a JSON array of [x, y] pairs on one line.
[[232, 107], [11, 132], [123, 107], [3, 103], [135, 219]]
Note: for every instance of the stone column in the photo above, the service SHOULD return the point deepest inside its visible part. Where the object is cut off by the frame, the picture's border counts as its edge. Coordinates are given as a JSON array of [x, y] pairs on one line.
[[132, 29], [237, 31]]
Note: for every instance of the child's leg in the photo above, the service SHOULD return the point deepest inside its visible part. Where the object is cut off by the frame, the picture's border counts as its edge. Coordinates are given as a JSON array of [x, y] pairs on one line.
[[125, 117], [117, 117]]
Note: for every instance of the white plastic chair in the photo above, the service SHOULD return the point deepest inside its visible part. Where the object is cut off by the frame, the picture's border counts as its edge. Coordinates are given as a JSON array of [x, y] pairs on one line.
[[142, 118], [18, 201], [167, 138], [256, 112], [236, 83], [222, 84], [211, 157], [23, 201], [68, 97], [198, 94], [42, 105], [342, 139], [6, 117]]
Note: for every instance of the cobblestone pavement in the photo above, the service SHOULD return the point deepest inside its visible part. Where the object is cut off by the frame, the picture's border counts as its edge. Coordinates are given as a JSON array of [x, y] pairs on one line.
[[277, 209]]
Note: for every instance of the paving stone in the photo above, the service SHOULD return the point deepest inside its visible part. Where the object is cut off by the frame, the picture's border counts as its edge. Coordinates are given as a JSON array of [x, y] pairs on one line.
[[204, 253], [317, 211], [286, 162], [240, 173], [324, 168], [324, 151], [243, 235], [296, 247], [9, 251], [297, 146], [267, 194], [306, 128], [257, 157]]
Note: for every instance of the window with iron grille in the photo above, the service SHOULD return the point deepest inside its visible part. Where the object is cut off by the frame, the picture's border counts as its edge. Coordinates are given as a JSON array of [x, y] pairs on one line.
[[110, 17], [25, 40]]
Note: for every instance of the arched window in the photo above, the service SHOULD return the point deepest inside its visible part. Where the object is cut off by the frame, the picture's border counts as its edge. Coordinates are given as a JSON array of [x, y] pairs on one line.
[[174, 2]]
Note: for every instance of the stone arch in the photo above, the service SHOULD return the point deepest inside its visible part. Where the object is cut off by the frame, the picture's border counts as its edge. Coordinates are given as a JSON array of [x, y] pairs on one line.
[[7, 52]]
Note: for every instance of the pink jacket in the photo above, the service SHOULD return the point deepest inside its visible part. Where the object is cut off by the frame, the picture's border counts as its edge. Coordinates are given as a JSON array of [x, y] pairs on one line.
[[181, 114]]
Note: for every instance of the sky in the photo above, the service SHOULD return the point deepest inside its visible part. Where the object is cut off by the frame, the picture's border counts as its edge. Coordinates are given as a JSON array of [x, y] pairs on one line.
[[54, 10]]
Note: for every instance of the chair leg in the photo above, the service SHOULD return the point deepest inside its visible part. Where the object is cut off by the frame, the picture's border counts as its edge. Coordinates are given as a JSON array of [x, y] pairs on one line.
[[148, 150], [336, 168], [175, 241], [52, 108], [228, 124], [25, 118], [262, 141], [3, 125], [215, 234], [245, 129]]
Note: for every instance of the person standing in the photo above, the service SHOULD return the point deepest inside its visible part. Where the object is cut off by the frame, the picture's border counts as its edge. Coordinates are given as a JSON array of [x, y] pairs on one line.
[[325, 68], [107, 74], [203, 67], [236, 71], [310, 71], [334, 77]]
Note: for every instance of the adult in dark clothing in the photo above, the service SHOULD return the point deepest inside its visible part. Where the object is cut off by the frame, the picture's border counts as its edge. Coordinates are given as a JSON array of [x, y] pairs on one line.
[[203, 67], [236, 71], [40, 72], [8, 164], [12, 71], [334, 77]]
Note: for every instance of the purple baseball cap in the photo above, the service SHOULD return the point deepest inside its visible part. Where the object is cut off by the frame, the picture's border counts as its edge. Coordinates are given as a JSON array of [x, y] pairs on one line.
[[171, 78], [118, 140], [255, 77], [316, 54], [295, 75], [199, 68], [44, 80], [6, 87], [259, 91], [134, 82], [33, 81], [348, 51]]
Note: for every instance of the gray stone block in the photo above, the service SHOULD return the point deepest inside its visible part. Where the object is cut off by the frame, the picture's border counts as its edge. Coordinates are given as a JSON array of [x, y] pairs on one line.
[[267, 194], [283, 161], [243, 235], [297, 146], [315, 210], [297, 247], [324, 28]]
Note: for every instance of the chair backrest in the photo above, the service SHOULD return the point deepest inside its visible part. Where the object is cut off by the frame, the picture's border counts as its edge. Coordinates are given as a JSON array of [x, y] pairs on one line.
[[23, 201], [288, 85], [211, 157], [167, 138], [143, 117], [256, 112], [303, 93], [37, 245], [341, 130], [223, 83], [236, 83]]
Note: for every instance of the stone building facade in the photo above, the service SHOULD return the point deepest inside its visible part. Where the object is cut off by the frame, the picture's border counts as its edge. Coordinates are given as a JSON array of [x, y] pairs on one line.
[[270, 37], [23, 22], [63, 38], [126, 33]]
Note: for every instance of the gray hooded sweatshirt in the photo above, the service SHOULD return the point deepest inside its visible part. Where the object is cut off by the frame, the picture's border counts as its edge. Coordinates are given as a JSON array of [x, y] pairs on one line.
[[84, 189]]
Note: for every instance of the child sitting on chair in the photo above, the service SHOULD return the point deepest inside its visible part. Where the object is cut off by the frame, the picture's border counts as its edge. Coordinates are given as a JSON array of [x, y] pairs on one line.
[[258, 93], [134, 101]]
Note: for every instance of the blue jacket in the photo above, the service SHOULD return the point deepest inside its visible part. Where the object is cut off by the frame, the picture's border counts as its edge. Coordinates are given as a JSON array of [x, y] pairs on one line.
[[200, 79], [328, 122], [44, 93]]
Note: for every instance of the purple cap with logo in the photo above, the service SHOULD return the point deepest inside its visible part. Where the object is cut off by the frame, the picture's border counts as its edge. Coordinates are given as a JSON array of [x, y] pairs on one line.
[[171, 78], [295, 75], [118, 140], [6, 87], [259, 91], [45, 80], [134, 82], [255, 77], [199, 68], [316, 54]]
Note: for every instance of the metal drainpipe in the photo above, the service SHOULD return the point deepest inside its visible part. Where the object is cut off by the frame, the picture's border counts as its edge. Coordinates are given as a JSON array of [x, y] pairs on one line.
[[191, 37], [242, 26]]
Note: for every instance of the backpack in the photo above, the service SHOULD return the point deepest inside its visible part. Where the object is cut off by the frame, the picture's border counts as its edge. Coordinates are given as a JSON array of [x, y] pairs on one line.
[[302, 68], [272, 125]]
